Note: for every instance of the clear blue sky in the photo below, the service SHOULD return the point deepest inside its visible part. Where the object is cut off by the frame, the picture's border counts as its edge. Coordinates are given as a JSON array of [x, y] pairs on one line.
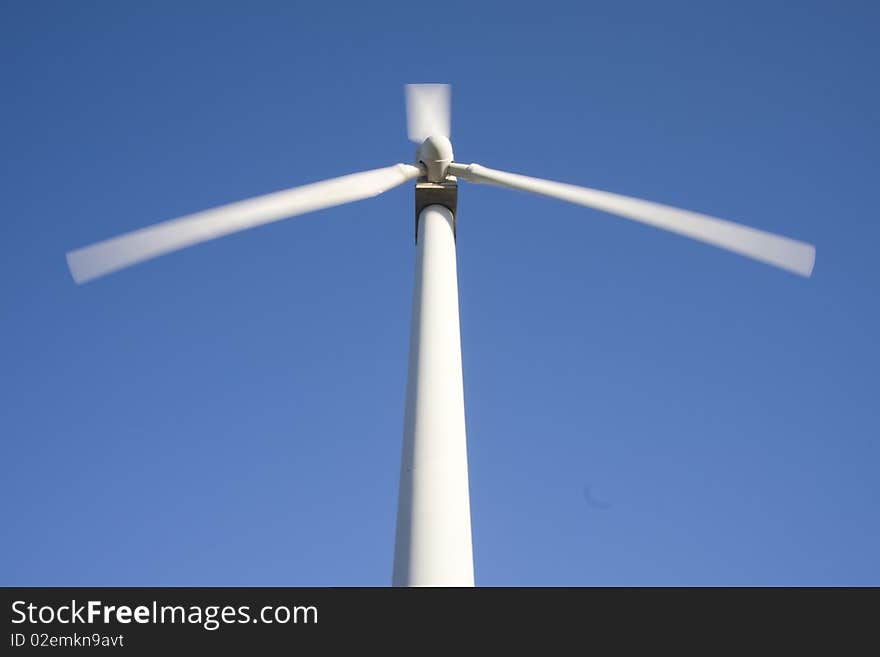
[[232, 414]]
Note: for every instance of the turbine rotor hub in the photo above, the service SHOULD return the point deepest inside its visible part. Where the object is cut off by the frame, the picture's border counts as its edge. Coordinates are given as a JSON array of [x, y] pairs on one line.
[[435, 154]]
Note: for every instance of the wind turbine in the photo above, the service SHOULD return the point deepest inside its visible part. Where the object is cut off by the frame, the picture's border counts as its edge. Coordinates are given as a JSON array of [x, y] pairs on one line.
[[433, 543]]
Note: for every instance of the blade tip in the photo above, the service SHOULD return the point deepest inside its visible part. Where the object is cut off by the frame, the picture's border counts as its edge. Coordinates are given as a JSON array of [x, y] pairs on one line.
[[810, 262], [77, 273]]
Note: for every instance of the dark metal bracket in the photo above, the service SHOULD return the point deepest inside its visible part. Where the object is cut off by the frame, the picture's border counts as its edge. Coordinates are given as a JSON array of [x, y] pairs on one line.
[[445, 194]]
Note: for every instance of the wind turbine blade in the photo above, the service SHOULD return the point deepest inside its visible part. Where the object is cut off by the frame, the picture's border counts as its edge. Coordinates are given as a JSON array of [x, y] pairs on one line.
[[782, 252], [427, 111], [116, 253]]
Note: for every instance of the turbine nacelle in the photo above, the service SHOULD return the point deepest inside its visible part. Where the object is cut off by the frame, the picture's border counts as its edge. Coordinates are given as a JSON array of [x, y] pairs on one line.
[[435, 154]]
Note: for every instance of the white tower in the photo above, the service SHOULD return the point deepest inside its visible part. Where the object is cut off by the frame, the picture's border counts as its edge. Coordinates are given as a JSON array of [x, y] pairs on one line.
[[433, 545]]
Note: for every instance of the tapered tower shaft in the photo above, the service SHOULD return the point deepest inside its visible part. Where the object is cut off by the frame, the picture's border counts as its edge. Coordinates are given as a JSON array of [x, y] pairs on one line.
[[433, 545]]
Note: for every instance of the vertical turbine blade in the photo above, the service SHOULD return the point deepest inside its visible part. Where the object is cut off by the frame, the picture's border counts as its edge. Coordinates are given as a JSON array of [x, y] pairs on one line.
[[427, 111]]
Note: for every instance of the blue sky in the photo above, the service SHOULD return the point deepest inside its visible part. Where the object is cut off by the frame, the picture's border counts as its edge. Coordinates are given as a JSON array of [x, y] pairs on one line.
[[231, 414]]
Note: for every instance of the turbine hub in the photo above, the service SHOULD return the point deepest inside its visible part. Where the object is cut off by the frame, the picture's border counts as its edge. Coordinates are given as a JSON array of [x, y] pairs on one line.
[[435, 153]]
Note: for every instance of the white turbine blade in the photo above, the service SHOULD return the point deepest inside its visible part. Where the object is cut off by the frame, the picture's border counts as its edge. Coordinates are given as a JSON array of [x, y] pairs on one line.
[[427, 111], [125, 250], [783, 252]]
